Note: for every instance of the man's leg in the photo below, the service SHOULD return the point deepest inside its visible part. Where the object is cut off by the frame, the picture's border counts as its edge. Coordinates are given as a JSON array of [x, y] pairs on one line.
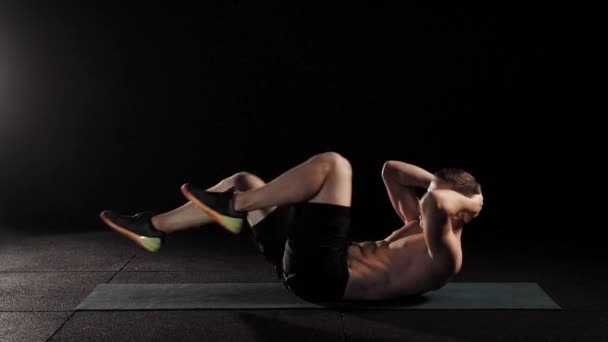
[[190, 216], [323, 178], [314, 265], [322, 188], [148, 230]]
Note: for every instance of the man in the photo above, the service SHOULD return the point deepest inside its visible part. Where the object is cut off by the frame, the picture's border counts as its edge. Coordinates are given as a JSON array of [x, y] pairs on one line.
[[300, 222]]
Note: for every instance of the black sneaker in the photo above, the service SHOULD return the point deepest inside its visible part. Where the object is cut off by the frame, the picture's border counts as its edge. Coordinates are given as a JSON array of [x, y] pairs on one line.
[[136, 227], [218, 205]]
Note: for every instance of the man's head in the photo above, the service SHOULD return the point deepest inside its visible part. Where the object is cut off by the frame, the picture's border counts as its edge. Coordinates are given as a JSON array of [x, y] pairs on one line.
[[457, 180], [460, 181]]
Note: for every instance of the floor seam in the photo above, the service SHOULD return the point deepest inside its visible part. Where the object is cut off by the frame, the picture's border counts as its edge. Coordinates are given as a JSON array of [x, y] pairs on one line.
[[61, 326], [123, 266], [23, 311], [74, 312], [57, 271]]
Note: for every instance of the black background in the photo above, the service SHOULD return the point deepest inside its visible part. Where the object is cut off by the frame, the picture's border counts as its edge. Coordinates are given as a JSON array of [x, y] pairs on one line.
[[115, 107]]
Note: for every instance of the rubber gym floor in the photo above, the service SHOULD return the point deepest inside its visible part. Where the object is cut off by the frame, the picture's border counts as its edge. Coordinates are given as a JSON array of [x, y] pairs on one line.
[[44, 275]]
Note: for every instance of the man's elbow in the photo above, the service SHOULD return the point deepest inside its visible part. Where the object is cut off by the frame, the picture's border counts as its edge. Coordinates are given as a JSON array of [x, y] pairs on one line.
[[388, 169], [433, 203], [430, 200]]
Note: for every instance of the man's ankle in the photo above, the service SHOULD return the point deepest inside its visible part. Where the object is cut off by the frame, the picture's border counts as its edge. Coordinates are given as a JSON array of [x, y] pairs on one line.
[[157, 225], [237, 200]]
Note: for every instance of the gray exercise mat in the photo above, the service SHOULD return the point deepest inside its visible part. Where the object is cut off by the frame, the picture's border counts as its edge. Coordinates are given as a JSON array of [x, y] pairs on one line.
[[253, 296]]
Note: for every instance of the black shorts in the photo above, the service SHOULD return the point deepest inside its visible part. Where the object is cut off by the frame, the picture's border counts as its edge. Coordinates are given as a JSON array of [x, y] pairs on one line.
[[306, 243]]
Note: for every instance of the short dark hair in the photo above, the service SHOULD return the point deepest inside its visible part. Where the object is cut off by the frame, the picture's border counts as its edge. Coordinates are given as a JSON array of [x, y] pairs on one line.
[[460, 181]]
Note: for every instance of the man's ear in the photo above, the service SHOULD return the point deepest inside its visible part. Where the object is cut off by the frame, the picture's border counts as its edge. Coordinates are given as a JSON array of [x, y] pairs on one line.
[[462, 219]]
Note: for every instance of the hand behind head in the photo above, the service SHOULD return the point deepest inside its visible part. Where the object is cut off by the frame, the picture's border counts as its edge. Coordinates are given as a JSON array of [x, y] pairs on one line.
[[467, 215], [478, 200]]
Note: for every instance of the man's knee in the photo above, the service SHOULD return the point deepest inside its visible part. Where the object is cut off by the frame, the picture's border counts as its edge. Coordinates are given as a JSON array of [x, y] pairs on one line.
[[246, 180], [335, 162]]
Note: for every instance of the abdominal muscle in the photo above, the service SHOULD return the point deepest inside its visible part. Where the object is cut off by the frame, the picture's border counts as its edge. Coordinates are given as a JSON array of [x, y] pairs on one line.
[[381, 270]]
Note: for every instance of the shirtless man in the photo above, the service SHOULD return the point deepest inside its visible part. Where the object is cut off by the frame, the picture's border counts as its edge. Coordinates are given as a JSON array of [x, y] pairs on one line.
[[300, 222]]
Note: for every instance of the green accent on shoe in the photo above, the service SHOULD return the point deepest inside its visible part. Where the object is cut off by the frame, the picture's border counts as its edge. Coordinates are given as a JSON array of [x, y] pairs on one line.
[[152, 244], [233, 224]]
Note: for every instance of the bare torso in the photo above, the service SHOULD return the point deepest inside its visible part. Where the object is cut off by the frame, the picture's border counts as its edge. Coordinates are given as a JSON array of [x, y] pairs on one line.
[[381, 270]]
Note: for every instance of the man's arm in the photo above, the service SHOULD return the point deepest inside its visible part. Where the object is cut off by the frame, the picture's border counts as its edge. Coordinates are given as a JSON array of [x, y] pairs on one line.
[[453, 202], [409, 229], [401, 179], [437, 207]]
